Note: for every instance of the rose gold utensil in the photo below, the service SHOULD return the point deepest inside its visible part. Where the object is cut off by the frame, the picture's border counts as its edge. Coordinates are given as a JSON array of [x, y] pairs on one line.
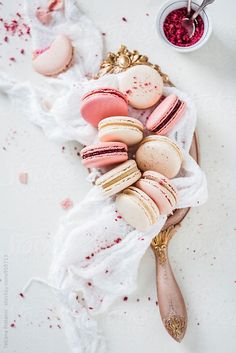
[[171, 302]]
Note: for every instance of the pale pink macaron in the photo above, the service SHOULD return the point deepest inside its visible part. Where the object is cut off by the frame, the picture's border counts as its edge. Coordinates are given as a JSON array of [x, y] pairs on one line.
[[103, 154], [55, 59], [166, 115], [160, 189], [160, 154], [102, 103]]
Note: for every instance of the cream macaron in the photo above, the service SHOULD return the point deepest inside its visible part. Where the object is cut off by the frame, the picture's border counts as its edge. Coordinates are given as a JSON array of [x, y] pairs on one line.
[[55, 59], [137, 208], [142, 85], [119, 178], [120, 128], [160, 154]]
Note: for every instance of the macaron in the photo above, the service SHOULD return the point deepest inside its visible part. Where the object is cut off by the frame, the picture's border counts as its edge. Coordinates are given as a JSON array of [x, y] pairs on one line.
[[119, 178], [137, 208], [166, 115], [160, 154], [55, 59], [102, 103], [142, 85], [121, 128], [103, 154], [160, 189]]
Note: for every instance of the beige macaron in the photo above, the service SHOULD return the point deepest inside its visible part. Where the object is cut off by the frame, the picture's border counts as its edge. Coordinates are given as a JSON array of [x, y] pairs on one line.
[[137, 208], [160, 154]]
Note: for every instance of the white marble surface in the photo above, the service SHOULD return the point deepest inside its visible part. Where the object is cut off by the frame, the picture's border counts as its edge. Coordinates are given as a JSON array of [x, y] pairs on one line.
[[203, 251]]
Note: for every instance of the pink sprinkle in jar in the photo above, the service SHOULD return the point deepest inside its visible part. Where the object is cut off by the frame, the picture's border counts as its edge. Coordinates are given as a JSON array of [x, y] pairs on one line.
[[171, 31]]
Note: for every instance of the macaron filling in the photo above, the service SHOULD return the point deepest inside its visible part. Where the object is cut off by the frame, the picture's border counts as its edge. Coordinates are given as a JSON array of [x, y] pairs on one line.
[[122, 124], [105, 91], [116, 150], [169, 116]]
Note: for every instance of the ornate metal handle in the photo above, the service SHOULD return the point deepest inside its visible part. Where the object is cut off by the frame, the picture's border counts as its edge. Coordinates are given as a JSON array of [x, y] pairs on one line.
[[171, 302]]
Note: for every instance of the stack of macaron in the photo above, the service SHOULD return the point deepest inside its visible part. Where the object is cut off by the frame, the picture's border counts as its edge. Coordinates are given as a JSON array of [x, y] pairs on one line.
[[142, 185]]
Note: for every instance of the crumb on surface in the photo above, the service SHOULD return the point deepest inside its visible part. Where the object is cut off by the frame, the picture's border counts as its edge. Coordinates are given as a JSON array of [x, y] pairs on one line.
[[23, 178], [66, 204]]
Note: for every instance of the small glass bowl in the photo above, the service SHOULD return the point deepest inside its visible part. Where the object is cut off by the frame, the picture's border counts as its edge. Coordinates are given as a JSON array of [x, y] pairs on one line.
[[172, 5]]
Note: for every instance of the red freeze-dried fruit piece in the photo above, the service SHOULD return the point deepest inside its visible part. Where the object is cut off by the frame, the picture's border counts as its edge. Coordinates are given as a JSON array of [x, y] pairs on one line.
[[176, 33]]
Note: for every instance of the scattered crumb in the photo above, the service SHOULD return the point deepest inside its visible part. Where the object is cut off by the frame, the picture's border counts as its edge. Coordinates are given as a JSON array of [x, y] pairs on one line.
[[23, 178], [66, 204]]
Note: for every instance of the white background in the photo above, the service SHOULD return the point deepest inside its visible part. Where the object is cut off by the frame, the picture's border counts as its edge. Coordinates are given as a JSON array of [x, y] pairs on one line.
[[203, 251]]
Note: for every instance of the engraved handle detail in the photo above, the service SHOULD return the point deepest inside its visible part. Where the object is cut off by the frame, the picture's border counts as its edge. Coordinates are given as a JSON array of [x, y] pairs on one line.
[[171, 303]]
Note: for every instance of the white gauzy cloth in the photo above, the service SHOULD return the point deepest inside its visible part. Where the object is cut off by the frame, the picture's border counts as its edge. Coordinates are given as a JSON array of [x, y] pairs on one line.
[[96, 254]]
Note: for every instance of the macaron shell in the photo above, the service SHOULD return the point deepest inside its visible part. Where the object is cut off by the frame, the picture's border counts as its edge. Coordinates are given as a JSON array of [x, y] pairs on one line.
[[137, 209], [102, 104], [158, 194], [103, 154], [166, 116], [160, 154], [142, 86], [119, 178], [56, 59], [124, 129]]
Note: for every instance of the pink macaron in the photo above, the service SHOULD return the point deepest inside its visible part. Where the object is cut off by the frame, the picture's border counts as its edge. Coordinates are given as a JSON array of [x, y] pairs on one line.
[[160, 189], [103, 154], [102, 103], [166, 115]]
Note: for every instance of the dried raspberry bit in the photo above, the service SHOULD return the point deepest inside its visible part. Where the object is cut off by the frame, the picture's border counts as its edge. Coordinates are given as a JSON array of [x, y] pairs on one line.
[[176, 33], [23, 178], [66, 204], [22, 51], [128, 91], [12, 325], [103, 33], [125, 299], [90, 308], [21, 295], [12, 59], [6, 39], [89, 283], [124, 19], [118, 240], [87, 258]]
